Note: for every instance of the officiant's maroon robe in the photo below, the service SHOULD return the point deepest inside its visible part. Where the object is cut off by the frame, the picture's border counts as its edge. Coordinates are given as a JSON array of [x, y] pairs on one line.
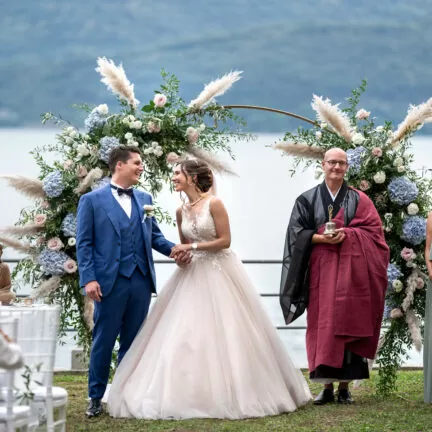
[[343, 286]]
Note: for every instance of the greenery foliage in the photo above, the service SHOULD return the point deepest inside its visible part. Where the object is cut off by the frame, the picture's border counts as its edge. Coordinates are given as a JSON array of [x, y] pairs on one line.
[[377, 163]]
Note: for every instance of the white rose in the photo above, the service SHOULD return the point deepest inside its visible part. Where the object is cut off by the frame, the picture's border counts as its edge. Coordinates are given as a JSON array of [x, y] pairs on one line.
[[83, 150], [69, 140], [202, 127], [323, 125], [131, 118], [379, 177], [132, 143], [126, 121], [389, 133], [73, 133], [155, 144], [413, 209], [147, 151], [397, 285], [398, 162], [72, 241], [379, 128], [192, 135], [136, 124], [401, 169], [69, 129], [158, 153], [318, 135], [358, 138], [128, 136], [103, 109]]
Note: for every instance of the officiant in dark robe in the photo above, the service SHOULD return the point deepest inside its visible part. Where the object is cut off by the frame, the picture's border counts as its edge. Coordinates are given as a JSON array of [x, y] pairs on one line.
[[333, 276]]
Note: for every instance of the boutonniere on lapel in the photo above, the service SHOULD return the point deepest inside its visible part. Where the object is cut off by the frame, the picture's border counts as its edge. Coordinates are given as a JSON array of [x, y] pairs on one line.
[[148, 211]]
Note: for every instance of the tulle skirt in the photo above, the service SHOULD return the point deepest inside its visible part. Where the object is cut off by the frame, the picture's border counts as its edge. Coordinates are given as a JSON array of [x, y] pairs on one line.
[[207, 350]]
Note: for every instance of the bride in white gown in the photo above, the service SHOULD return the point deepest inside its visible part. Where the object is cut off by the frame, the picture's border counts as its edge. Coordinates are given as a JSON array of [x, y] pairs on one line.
[[207, 348]]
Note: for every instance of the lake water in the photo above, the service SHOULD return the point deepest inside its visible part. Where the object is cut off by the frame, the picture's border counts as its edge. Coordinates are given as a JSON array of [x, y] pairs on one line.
[[259, 201]]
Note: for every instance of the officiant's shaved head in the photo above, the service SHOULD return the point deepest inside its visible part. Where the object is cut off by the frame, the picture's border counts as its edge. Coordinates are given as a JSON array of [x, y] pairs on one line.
[[335, 153]]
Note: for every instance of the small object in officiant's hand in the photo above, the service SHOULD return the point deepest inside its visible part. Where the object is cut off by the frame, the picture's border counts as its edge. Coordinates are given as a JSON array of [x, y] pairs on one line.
[[330, 226]]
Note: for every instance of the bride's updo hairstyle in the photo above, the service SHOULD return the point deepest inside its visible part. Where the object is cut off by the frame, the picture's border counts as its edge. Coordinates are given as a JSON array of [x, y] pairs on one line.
[[199, 171]]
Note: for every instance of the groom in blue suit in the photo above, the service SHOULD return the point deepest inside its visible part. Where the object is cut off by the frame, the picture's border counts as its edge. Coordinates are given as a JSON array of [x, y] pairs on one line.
[[115, 238]]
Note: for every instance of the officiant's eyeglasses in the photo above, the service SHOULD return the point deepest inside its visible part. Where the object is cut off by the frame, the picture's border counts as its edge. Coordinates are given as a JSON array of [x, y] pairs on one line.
[[333, 163]]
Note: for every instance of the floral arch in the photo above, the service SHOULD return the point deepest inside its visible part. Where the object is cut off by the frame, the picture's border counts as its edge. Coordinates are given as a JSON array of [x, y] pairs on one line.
[[167, 127]]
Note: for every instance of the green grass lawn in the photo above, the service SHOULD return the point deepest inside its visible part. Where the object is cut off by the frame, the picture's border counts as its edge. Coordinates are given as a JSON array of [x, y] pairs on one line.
[[403, 411]]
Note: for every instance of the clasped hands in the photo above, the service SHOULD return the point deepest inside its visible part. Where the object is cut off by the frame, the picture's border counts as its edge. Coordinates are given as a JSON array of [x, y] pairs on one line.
[[181, 254], [337, 238]]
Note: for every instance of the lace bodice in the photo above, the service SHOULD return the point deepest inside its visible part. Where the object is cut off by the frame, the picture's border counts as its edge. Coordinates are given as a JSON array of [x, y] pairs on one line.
[[198, 226]]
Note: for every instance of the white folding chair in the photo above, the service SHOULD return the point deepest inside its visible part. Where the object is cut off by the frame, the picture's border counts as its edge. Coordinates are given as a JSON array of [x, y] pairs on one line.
[[48, 403], [12, 416]]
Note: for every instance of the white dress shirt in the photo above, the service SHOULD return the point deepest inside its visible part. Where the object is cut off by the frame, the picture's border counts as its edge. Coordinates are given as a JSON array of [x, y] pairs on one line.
[[335, 195], [124, 200]]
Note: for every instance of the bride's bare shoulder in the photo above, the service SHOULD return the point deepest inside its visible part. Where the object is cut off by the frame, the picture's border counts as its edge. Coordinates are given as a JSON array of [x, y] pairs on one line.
[[216, 204]]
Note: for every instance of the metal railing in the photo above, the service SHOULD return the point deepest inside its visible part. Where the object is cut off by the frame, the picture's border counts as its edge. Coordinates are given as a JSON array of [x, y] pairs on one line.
[[246, 261]]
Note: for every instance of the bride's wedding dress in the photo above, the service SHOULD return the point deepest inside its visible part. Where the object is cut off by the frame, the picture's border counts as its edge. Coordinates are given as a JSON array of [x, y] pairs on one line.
[[207, 348]]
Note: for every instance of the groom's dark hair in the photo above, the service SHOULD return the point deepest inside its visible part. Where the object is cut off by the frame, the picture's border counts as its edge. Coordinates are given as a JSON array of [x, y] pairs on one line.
[[121, 153]]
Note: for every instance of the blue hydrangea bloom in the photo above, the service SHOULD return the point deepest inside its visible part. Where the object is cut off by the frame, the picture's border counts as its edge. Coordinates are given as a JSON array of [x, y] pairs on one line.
[[52, 262], [101, 183], [388, 307], [53, 184], [414, 229], [393, 273], [402, 191], [107, 145], [69, 225], [94, 121], [354, 158]]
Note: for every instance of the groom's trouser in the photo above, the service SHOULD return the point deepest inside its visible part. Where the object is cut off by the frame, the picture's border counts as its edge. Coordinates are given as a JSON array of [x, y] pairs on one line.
[[121, 312]]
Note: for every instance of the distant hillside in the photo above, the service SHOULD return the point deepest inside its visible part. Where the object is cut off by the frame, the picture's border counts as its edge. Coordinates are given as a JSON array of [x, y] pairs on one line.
[[287, 50]]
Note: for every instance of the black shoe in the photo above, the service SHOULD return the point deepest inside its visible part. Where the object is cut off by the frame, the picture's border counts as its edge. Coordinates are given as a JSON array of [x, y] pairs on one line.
[[94, 408], [344, 397], [326, 396]]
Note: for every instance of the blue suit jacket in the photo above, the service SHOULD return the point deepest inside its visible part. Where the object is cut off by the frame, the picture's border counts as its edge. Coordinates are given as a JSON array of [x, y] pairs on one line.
[[98, 238]]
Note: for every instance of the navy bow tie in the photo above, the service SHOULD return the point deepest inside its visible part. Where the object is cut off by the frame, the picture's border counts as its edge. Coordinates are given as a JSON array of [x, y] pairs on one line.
[[121, 191]]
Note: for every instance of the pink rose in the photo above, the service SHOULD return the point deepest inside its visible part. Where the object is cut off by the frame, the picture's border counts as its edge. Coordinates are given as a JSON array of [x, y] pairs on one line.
[[55, 244], [70, 266], [364, 185], [160, 100], [153, 127], [396, 313], [377, 152], [362, 114], [420, 283], [68, 164], [192, 135], [172, 158], [408, 254], [380, 199], [40, 219], [82, 171]]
